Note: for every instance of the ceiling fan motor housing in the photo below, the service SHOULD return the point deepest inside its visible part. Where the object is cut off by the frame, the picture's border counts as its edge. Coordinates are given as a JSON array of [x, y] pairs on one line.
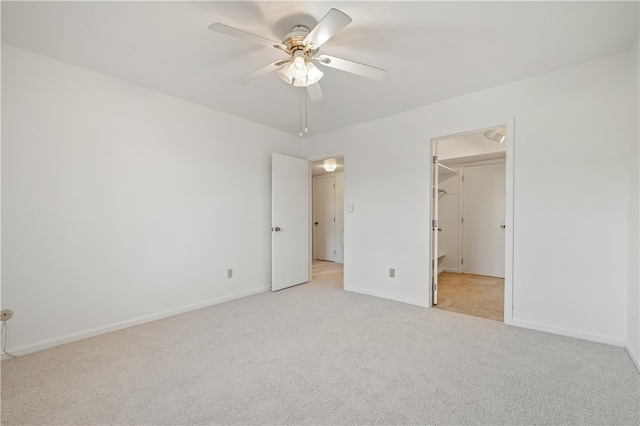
[[295, 41]]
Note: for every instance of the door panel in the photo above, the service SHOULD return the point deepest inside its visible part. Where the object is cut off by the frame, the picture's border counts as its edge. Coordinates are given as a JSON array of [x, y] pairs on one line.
[[324, 218], [290, 218], [483, 217]]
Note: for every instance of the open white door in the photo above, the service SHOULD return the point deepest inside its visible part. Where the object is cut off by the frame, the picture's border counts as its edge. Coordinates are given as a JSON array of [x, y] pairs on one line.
[[290, 221]]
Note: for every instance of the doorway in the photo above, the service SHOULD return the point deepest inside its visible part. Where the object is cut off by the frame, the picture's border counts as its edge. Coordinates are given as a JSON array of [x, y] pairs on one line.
[[471, 216], [328, 211]]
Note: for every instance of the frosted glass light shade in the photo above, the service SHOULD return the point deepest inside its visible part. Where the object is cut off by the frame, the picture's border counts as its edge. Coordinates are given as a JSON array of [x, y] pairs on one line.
[[300, 73], [284, 74], [297, 69], [313, 74]]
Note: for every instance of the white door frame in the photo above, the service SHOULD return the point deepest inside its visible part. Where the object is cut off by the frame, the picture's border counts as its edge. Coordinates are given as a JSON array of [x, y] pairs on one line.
[[509, 123], [345, 264]]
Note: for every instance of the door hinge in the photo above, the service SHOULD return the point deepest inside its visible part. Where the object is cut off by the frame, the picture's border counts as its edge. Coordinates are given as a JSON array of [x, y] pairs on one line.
[[334, 219], [463, 178], [334, 252], [435, 159], [334, 185], [434, 286], [434, 223], [462, 261], [462, 219]]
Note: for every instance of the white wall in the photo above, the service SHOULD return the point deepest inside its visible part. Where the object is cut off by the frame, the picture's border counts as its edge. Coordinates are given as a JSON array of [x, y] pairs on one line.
[[633, 323], [571, 151], [121, 204]]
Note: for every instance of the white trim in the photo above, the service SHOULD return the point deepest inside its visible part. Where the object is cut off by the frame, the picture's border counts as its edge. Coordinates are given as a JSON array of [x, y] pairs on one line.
[[634, 356], [454, 270], [509, 122], [383, 295], [50, 343], [569, 333]]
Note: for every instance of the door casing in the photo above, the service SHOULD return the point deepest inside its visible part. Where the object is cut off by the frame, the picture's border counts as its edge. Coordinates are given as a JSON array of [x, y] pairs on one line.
[[509, 123]]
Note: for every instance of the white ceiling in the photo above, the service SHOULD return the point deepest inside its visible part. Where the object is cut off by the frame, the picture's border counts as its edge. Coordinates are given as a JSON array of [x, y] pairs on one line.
[[431, 50]]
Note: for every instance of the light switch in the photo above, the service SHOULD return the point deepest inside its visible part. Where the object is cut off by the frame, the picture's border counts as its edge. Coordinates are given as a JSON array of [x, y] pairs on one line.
[[350, 207]]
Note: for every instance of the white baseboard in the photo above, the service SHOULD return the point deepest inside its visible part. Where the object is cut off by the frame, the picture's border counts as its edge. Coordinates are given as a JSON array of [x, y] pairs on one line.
[[50, 343], [569, 333], [454, 270], [387, 296], [634, 356]]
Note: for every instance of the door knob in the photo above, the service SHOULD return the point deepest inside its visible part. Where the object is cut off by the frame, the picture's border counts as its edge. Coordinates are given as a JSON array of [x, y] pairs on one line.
[[276, 229]]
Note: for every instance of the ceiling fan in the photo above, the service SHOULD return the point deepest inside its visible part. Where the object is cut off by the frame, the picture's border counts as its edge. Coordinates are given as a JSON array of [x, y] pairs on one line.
[[302, 47]]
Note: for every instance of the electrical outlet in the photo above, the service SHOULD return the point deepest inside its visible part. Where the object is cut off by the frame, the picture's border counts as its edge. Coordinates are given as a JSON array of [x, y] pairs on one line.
[[229, 273], [6, 314], [392, 272]]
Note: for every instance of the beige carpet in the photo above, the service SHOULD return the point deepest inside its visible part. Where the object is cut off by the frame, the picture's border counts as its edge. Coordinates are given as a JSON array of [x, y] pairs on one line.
[[315, 354]]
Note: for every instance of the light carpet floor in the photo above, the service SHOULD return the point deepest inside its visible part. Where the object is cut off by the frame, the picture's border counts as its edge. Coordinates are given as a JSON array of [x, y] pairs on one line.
[[315, 354]]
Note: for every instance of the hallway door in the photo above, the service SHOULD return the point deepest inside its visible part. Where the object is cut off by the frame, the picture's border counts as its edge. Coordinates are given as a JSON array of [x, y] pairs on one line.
[[324, 218]]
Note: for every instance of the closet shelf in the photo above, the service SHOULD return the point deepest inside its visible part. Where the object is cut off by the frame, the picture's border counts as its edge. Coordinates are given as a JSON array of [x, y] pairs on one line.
[[444, 170]]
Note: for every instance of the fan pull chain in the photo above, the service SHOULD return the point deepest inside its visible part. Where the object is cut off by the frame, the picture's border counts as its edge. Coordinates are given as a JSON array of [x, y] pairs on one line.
[[301, 112], [306, 115]]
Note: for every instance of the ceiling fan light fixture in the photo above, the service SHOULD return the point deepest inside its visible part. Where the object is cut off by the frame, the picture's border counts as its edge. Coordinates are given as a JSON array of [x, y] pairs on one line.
[[300, 71], [311, 76]]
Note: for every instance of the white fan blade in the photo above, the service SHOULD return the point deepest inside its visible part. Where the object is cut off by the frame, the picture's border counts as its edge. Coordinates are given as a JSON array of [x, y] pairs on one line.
[[328, 26], [273, 66], [315, 92], [225, 29], [352, 67]]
